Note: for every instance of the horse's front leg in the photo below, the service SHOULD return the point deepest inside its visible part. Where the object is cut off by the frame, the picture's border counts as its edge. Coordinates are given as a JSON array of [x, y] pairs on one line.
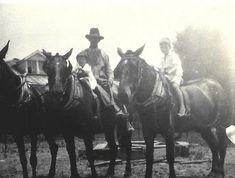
[[70, 146], [89, 153], [149, 141], [128, 155], [222, 150], [113, 152], [170, 147], [21, 148], [53, 149], [33, 156]]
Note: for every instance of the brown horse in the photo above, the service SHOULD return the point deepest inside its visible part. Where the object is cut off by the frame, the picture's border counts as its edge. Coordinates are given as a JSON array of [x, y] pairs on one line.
[[21, 109], [69, 104], [149, 92]]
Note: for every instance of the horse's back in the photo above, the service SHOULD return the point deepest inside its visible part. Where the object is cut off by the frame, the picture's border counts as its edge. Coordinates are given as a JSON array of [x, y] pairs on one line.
[[206, 98]]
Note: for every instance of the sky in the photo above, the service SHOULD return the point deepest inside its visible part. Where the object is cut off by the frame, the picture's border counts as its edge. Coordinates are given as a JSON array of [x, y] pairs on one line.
[[58, 26]]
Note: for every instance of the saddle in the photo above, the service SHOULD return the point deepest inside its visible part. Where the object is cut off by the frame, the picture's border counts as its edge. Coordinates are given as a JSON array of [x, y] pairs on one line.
[[76, 93], [171, 94]]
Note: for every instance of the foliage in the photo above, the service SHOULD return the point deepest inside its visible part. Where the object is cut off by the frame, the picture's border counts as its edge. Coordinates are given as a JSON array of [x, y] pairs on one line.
[[203, 54]]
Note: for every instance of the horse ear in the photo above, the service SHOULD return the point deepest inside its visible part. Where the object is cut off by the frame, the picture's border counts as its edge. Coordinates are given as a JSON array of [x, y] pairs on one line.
[[48, 55], [120, 53], [4, 50], [66, 56], [139, 51]]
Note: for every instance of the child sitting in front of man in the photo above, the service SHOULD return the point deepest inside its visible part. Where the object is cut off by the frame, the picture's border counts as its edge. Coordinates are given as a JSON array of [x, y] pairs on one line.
[[84, 70]]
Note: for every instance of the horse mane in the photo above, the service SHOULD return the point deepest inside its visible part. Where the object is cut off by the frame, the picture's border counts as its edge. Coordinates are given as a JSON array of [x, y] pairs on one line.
[[193, 81], [142, 63]]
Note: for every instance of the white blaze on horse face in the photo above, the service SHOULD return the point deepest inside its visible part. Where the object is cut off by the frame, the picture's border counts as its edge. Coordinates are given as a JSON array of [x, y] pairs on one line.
[[57, 73]]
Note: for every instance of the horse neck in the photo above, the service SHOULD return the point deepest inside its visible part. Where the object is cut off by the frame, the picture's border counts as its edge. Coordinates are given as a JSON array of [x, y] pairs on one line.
[[153, 83], [13, 82], [146, 85], [68, 87]]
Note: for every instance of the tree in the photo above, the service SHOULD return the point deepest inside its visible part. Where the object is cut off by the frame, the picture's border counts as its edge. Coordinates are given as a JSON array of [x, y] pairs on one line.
[[203, 54]]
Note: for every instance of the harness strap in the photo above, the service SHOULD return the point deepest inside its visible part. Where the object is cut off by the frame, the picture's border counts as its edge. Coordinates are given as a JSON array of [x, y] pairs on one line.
[[156, 93], [74, 98], [68, 105]]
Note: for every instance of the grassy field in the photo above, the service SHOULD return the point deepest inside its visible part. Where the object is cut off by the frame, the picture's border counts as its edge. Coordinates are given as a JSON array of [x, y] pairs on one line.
[[10, 165]]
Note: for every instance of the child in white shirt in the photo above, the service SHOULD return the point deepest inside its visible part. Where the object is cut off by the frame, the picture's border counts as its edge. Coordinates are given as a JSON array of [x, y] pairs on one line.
[[86, 68]]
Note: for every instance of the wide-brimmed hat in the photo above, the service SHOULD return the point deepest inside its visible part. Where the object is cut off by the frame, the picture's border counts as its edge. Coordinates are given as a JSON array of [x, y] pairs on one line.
[[94, 33]]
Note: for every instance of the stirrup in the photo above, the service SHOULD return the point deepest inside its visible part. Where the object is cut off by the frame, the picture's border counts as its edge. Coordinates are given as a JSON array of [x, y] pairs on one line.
[[130, 128], [121, 114], [185, 115]]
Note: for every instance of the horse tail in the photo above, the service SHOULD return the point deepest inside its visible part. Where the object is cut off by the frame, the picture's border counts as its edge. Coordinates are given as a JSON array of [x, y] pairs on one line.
[[221, 108]]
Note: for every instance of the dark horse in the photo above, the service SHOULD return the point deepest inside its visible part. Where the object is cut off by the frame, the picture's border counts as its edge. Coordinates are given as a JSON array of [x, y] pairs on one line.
[[21, 110], [150, 93], [69, 104]]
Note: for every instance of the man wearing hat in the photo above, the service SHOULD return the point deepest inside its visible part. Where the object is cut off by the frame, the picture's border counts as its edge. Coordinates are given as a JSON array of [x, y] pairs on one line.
[[100, 66], [172, 68]]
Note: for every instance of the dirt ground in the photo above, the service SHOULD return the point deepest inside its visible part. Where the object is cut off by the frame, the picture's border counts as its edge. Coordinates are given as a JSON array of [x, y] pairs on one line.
[[10, 165]]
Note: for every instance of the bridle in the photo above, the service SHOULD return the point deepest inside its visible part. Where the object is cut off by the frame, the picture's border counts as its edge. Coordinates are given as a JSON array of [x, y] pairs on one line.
[[66, 81]]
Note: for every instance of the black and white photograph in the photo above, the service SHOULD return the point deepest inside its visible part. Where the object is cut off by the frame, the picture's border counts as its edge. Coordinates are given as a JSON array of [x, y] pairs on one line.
[[117, 89]]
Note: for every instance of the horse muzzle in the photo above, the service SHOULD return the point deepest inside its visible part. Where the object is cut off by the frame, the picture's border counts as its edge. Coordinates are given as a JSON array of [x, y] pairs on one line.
[[125, 95]]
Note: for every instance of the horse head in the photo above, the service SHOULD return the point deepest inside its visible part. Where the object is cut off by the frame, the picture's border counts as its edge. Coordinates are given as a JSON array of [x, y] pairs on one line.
[[58, 68], [128, 72]]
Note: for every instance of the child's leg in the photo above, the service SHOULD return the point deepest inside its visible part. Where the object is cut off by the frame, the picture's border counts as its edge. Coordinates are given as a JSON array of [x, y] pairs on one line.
[[96, 105], [182, 109]]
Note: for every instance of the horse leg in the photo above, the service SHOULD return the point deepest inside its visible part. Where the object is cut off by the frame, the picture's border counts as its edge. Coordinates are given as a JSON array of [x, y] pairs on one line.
[[212, 143], [70, 146], [149, 141], [222, 150], [128, 155], [124, 140], [90, 156], [21, 148], [170, 147], [33, 156], [113, 152], [53, 149]]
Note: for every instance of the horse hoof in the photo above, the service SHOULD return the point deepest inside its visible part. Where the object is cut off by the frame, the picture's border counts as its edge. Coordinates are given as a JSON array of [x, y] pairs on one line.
[[75, 176], [94, 176], [127, 174], [109, 176], [212, 174], [50, 175], [25, 176]]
